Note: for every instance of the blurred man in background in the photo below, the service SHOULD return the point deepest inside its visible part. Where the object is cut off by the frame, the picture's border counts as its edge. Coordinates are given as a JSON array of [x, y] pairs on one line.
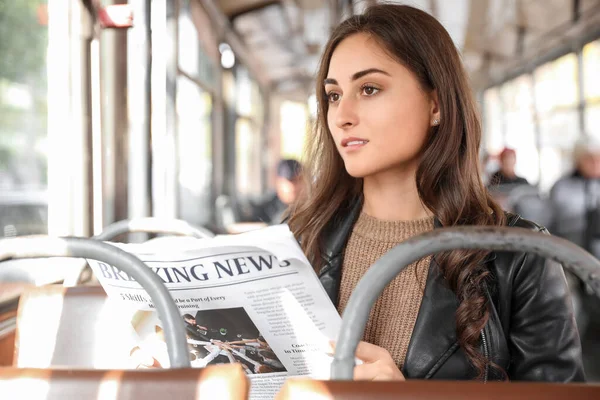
[[576, 198], [506, 175], [288, 186], [575, 201]]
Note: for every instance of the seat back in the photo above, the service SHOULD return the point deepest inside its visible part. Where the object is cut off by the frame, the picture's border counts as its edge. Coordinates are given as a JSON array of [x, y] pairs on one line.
[[153, 225], [532, 206], [227, 382], [7, 338], [77, 327], [433, 390], [9, 300]]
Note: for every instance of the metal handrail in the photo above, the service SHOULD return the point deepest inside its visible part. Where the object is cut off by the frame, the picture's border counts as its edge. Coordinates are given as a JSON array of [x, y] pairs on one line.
[[382, 272], [42, 247], [153, 225]]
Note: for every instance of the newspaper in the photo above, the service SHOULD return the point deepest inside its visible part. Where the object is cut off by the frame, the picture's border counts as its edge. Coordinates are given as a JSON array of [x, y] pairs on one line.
[[252, 299]]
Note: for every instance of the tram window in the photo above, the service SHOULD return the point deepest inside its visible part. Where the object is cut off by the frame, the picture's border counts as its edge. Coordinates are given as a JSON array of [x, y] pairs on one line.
[[494, 138], [293, 128], [556, 84], [23, 213], [555, 162], [194, 107], [23, 117], [557, 99], [592, 120], [248, 156], [591, 66], [517, 96], [248, 136]]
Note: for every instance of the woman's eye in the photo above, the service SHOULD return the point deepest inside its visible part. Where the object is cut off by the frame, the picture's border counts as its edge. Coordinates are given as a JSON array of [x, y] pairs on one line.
[[333, 97], [370, 90]]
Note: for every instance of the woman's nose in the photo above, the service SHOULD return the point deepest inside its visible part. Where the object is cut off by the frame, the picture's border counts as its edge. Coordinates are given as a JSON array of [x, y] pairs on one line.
[[346, 114]]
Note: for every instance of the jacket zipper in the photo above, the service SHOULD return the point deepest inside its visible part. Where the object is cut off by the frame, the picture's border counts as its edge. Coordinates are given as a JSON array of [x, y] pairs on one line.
[[325, 269], [486, 354]]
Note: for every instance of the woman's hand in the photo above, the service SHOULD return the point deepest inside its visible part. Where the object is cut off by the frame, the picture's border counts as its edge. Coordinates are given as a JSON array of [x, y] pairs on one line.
[[377, 365]]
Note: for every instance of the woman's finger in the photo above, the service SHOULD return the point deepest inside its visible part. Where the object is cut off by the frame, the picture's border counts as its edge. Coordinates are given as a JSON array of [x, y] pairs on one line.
[[378, 371], [365, 372], [370, 353]]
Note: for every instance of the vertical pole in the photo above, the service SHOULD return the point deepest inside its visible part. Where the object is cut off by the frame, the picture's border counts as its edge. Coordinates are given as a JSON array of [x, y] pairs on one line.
[[138, 88], [581, 91], [536, 128], [163, 72], [115, 134]]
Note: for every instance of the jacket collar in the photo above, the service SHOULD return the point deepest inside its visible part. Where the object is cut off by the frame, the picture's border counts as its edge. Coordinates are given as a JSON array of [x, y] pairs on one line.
[[338, 231]]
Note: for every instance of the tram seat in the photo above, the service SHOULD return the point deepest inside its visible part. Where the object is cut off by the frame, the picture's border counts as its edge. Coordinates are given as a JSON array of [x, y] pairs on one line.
[[9, 300], [533, 206], [214, 382], [76, 327], [295, 389], [7, 338]]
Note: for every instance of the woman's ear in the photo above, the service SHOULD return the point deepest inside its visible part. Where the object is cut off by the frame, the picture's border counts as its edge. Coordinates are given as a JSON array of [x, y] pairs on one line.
[[434, 112]]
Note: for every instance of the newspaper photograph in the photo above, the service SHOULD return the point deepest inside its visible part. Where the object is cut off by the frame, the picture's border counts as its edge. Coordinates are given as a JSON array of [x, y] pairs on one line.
[[252, 299]]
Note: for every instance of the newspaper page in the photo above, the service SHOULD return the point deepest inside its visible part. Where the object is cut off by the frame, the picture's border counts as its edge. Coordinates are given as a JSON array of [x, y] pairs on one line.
[[252, 299]]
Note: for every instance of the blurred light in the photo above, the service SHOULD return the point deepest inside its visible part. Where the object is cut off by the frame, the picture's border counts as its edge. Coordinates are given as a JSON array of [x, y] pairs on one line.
[[25, 388], [312, 105], [223, 47], [110, 385], [219, 387], [227, 59], [18, 96], [112, 336], [189, 57], [293, 128], [32, 352], [116, 16], [227, 56]]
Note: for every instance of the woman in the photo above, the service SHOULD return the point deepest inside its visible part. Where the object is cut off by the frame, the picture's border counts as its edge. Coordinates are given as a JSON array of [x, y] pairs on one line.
[[395, 154]]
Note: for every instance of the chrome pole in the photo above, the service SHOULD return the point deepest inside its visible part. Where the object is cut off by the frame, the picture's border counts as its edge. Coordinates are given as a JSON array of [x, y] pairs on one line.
[[42, 247]]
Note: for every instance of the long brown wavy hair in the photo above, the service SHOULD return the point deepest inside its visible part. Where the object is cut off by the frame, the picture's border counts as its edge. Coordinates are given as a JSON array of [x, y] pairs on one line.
[[448, 177]]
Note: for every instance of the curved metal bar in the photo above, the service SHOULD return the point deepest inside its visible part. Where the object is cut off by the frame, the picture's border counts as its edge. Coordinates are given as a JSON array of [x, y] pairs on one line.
[[153, 225], [42, 247], [380, 274]]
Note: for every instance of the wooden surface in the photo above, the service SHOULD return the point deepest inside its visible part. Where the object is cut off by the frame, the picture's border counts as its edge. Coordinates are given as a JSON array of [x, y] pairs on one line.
[[223, 382], [434, 390]]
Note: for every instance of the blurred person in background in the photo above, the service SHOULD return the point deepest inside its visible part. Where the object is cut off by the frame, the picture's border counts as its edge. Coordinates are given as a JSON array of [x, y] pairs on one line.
[[288, 186], [576, 198], [506, 175], [575, 201]]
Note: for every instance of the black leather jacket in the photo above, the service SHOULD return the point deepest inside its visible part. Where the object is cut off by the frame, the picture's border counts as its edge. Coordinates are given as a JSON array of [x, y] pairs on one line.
[[531, 332]]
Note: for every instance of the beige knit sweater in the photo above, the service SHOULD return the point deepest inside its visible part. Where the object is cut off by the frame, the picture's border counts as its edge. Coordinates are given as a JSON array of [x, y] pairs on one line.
[[393, 318]]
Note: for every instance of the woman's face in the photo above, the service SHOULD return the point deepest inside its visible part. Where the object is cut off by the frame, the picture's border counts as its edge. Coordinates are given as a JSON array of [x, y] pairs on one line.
[[378, 113]]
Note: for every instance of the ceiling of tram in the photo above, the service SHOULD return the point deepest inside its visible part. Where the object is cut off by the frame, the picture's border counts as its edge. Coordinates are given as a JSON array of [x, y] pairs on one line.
[[494, 36]]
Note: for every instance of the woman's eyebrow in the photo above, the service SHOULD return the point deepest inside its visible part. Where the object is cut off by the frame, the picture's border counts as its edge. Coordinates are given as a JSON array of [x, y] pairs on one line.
[[365, 72], [357, 75]]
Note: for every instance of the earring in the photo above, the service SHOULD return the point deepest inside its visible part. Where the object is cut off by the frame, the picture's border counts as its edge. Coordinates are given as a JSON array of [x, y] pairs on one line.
[[436, 122]]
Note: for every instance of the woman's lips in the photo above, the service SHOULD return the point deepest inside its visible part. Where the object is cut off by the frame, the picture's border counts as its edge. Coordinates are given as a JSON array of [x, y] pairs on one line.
[[352, 143]]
